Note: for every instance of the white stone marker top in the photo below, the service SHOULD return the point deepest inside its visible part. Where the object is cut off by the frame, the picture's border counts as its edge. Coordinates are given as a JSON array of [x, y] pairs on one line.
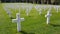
[[48, 16], [28, 9], [57, 8], [39, 9], [18, 20]]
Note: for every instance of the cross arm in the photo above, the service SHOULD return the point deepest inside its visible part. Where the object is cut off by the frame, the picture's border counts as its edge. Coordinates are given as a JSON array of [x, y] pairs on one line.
[[14, 20], [22, 19], [48, 15]]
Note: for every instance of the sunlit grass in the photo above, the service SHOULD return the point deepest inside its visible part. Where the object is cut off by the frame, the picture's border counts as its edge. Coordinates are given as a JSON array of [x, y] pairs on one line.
[[33, 24]]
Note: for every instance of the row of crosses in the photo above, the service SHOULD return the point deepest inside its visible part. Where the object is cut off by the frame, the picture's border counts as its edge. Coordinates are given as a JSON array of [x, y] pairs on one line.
[[18, 19]]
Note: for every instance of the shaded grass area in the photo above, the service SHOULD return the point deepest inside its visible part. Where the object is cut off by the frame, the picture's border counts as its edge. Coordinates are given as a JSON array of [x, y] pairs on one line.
[[33, 24]]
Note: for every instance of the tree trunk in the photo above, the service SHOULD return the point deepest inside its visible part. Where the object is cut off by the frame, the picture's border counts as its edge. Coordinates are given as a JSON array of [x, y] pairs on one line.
[[34, 2], [42, 1], [37, 1]]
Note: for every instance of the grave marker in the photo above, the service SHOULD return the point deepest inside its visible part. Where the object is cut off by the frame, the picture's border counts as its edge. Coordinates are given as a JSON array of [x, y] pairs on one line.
[[39, 9], [57, 8], [18, 20], [48, 16], [7, 11], [28, 9]]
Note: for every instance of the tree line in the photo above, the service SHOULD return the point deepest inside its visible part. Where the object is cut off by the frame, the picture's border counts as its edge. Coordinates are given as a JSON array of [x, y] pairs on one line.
[[32, 1]]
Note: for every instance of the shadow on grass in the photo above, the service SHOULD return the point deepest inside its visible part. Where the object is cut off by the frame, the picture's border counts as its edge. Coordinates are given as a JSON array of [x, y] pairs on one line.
[[12, 18], [23, 32], [55, 25]]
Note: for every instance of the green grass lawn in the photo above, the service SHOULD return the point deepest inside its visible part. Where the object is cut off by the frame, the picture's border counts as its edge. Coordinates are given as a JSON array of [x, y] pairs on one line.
[[33, 24]]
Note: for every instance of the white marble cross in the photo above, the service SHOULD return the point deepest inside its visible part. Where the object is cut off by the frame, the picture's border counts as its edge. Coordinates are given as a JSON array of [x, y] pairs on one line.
[[45, 8], [48, 16], [28, 9], [18, 20], [57, 8], [39, 9]]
